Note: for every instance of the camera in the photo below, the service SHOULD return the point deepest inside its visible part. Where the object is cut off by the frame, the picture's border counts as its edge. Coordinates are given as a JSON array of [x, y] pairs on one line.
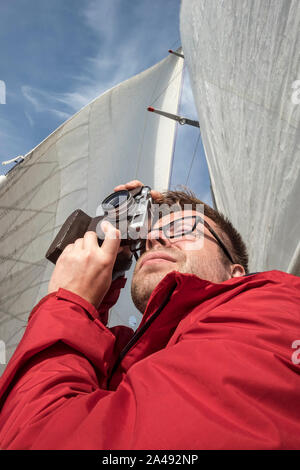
[[129, 211]]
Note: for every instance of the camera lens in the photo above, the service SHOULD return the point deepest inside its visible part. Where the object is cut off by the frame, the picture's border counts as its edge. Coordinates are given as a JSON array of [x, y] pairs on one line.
[[116, 199], [119, 205]]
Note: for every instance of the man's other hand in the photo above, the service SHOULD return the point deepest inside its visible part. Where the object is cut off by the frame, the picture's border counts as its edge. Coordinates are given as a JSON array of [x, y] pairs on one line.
[[85, 268]]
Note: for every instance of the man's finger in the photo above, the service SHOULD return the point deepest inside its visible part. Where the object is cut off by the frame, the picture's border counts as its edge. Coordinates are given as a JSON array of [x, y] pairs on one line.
[[155, 194], [112, 239], [90, 240], [120, 187], [68, 248], [65, 252], [78, 243], [135, 184], [130, 185]]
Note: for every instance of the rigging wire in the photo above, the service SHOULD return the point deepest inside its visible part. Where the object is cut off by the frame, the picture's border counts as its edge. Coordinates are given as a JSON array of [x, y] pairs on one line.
[[146, 121], [172, 79], [152, 102], [177, 124], [144, 129], [172, 45], [197, 143], [167, 86], [177, 41]]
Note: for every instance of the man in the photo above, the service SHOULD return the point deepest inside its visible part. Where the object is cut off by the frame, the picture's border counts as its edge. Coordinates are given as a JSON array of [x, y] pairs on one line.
[[210, 366]]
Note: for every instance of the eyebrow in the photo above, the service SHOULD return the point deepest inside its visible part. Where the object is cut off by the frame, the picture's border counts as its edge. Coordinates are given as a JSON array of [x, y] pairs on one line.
[[183, 217]]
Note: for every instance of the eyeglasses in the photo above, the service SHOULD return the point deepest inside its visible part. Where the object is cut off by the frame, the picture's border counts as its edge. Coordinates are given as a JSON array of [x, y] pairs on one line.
[[181, 228]]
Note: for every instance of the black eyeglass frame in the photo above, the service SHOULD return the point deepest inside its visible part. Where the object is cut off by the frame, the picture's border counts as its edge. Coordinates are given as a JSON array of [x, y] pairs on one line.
[[198, 219]]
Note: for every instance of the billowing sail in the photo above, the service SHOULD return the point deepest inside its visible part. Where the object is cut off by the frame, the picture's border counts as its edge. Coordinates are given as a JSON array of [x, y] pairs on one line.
[[244, 62], [109, 142]]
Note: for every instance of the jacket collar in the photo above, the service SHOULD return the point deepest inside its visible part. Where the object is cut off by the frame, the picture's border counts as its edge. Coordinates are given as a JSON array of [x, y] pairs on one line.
[[179, 294], [195, 289], [184, 297]]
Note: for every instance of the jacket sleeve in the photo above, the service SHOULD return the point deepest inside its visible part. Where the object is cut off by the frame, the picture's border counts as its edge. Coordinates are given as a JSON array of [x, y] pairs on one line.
[[66, 331], [110, 299]]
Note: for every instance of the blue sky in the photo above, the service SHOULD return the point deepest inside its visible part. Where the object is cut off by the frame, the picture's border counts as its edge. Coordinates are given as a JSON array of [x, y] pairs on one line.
[[58, 55]]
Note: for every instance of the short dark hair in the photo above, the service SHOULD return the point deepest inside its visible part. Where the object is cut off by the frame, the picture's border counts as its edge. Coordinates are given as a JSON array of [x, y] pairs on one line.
[[228, 233]]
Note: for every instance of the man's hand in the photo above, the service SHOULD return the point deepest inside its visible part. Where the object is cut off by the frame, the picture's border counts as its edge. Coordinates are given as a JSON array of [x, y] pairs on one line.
[[85, 268], [135, 184]]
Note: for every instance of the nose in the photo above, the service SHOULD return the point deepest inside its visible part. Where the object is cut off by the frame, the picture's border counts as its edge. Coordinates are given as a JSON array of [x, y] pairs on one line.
[[156, 239]]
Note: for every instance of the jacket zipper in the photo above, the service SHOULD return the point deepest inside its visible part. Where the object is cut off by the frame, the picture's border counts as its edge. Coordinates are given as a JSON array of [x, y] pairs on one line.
[[139, 333]]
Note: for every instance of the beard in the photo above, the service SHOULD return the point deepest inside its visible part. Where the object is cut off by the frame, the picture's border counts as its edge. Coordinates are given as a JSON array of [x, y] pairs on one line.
[[145, 280], [142, 288]]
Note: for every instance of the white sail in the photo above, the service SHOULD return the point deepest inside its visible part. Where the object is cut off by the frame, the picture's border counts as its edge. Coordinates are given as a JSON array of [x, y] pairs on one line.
[[109, 142], [244, 59]]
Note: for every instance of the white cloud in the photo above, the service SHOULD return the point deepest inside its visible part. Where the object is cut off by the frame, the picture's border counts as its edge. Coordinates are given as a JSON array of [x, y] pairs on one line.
[[103, 70], [102, 17], [30, 120], [28, 93], [43, 101], [99, 72], [126, 54], [61, 114], [74, 100]]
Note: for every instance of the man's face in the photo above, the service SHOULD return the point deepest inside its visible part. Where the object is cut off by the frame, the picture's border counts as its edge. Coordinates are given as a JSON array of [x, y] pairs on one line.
[[196, 253]]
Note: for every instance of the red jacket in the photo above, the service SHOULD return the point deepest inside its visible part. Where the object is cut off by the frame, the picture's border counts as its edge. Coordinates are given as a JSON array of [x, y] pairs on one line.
[[210, 367]]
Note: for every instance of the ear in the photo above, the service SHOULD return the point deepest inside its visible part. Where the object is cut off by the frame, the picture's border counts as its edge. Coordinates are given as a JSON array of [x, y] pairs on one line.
[[237, 270]]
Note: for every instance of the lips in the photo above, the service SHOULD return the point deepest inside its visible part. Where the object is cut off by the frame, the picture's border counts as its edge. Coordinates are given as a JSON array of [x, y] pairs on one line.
[[156, 257]]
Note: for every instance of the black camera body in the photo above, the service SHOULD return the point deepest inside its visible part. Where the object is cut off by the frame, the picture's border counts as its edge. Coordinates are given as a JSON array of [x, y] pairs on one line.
[[128, 211]]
